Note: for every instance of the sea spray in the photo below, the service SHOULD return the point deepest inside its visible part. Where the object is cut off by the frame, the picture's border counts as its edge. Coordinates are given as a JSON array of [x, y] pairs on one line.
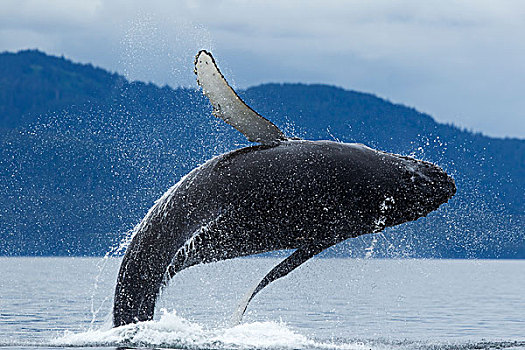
[[115, 251], [174, 331]]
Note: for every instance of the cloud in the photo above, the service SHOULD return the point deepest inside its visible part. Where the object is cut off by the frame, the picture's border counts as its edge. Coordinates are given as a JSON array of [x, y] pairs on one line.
[[463, 62]]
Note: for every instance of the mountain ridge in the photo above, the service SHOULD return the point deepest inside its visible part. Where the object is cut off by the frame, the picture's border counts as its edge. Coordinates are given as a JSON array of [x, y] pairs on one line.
[[119, 81]]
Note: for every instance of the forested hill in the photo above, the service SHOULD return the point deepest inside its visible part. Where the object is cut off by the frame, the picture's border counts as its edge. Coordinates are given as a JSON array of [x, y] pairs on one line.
[[84, 154]]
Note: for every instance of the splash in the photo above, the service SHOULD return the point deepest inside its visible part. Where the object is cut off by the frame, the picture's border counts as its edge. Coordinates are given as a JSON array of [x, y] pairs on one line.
[[114, 252], [161, 50], [174, 331]]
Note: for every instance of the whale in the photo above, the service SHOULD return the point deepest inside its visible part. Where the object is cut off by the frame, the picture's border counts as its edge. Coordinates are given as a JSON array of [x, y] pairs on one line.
[[279, 193]]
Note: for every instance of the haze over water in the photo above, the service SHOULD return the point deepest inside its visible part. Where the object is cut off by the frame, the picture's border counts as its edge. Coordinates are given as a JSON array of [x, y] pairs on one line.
[[328, 303]]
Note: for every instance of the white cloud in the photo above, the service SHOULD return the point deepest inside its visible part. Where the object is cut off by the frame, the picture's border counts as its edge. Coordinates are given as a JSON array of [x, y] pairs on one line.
[[463, 62]]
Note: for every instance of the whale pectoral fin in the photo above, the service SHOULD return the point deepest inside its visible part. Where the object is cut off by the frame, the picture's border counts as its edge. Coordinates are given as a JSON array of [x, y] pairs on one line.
[[285, 267], [228, 106]]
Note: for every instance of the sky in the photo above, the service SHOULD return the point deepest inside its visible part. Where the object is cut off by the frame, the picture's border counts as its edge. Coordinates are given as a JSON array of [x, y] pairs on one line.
[[463, 62]]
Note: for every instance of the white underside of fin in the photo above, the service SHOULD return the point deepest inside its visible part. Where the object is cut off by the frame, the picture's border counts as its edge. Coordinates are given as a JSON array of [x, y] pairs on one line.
[[228, 106], [236, 318]]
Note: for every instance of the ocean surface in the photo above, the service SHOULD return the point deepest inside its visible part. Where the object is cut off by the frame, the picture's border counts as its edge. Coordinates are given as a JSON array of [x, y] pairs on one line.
[[56, 303]]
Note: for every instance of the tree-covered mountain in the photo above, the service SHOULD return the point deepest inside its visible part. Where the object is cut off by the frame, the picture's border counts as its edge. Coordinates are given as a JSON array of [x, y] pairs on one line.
[[84, 153]]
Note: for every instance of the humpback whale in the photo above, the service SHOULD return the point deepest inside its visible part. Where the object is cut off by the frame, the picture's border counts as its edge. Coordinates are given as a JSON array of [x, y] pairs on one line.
[[280, 193]]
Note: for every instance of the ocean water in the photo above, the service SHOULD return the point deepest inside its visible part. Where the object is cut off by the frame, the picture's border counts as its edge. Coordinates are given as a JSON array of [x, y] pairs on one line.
[[54, 303]]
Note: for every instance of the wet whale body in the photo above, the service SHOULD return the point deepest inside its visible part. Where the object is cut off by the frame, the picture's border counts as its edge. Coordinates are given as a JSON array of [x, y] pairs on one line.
[[280, 194]]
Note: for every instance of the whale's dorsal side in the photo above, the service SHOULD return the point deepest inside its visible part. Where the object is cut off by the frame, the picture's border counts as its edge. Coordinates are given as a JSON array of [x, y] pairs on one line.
[[228, 106]]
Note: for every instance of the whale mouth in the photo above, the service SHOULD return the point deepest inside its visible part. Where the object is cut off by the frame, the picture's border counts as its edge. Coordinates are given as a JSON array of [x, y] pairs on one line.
[[434, 187], [443, 186], [423, 189]]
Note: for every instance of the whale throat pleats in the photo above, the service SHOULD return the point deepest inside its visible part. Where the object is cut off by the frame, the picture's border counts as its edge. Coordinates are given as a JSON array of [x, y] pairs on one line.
[[228, 106]]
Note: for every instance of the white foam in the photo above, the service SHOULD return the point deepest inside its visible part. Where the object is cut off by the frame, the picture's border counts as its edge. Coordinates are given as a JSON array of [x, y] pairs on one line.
[[172, 331]]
